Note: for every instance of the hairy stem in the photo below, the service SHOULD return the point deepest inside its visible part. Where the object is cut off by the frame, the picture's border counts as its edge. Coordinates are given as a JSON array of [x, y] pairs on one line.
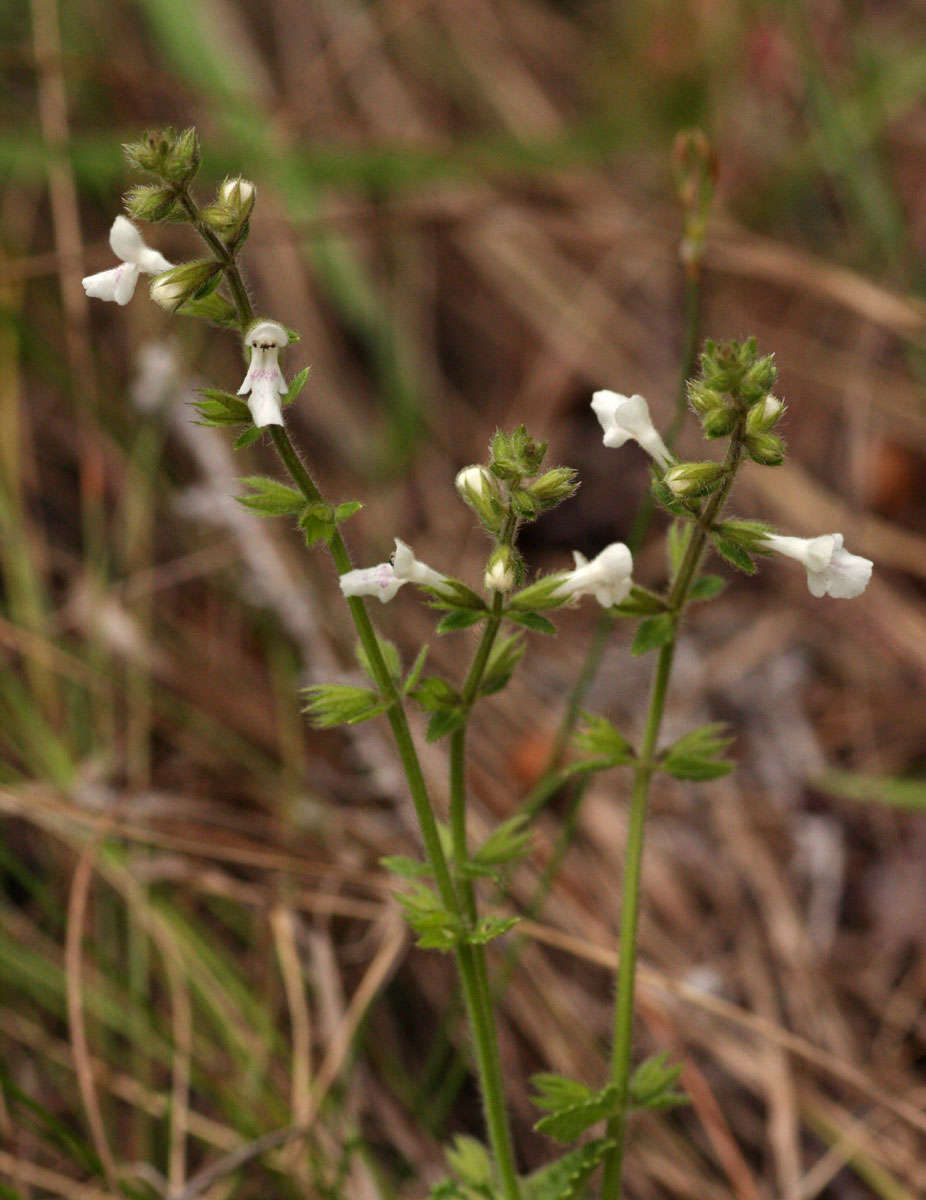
[[643, 771], [470, 959]]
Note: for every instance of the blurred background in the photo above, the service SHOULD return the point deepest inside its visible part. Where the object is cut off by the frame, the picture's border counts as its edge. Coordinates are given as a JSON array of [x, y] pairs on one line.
[[466, 208]]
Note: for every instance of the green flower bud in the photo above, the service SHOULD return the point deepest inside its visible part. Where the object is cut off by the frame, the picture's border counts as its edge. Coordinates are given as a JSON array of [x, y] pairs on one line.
[[181, 162], [523, 504], [759, 379], [702, 398], [694, 479], [516, 454], [765, 448], [554, 487], [481, 491], [149, 202], [189, 281], [720, 421], [149, 153], [765, 416]]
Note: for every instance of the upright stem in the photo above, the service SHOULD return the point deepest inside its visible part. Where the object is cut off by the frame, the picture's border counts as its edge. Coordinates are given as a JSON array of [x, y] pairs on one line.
[[643, 771], [470, 959]]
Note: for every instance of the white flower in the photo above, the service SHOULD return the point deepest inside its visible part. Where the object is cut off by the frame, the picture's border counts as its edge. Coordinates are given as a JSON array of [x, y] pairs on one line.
[[264, 379], [606, 577], [380, 581], [167, 292], [408, 569], [472, 479], [237, 189], [499, 577], [625, 417], [118, 283], [831, 570]]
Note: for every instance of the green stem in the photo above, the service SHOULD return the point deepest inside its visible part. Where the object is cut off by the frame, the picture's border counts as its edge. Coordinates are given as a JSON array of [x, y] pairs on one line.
[[470, 959], [643, 771]]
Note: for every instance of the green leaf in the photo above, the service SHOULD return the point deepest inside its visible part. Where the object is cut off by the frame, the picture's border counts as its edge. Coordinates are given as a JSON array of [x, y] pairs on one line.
[[508, 842], [414, 674], [696, 756], [909, 794], [653, 632], [556, 1092], [569, 1120], [734, 554], [443, 722], [346, 510], [221, 408], [459, 618], [298, 383], [470, 1162], [317, 523], [670, 502], [488, 929], [531, 620], [504, 657], [707, 587], [640, 603], [543, 593], [602, 744], [390, 654], [436, 927], [270, 498], [248, 438], [652, 1085], [677, 543], [407, 868], [435, 693], [566, 1178], [454, 594], [332, 704]]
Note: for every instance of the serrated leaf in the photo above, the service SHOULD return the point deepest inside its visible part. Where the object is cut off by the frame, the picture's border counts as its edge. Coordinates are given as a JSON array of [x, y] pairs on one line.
[[317, 523], [640, 603], [407, 868], [696, 756], [531, 620], [470, 1162], [459, 618], [652, 633], [296, 386], [436, 927], [602, 744], [270, 498], [556, 1092], [435, 693], [414, 674], [652, 1084], [504, 657], [707, 587], [490, 928], [444, 721], [566, 1178], [248, 438], [333, 704], [570, 1121], [509, 841], [346, 510], [390, 656], [734, 554]]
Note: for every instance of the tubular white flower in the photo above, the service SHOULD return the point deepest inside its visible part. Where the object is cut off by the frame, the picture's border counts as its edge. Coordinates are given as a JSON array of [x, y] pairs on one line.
[[380, 581], [237, 189], [499, 577], [408, 569], [472, 479], [264, 379], [831, 570], [606, 577], [118, 283], [627, 417]]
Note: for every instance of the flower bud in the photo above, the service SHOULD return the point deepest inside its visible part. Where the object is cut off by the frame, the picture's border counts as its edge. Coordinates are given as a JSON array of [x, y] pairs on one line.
[[181, 162], [694, 479], [523, 504], [474, 481], [554, 487], [238, 193], [189, 281], [149, 202], [702, 398], [516, 454], [767, 449], [501, 570], [759, 379], [720, 421], [764, 416]]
